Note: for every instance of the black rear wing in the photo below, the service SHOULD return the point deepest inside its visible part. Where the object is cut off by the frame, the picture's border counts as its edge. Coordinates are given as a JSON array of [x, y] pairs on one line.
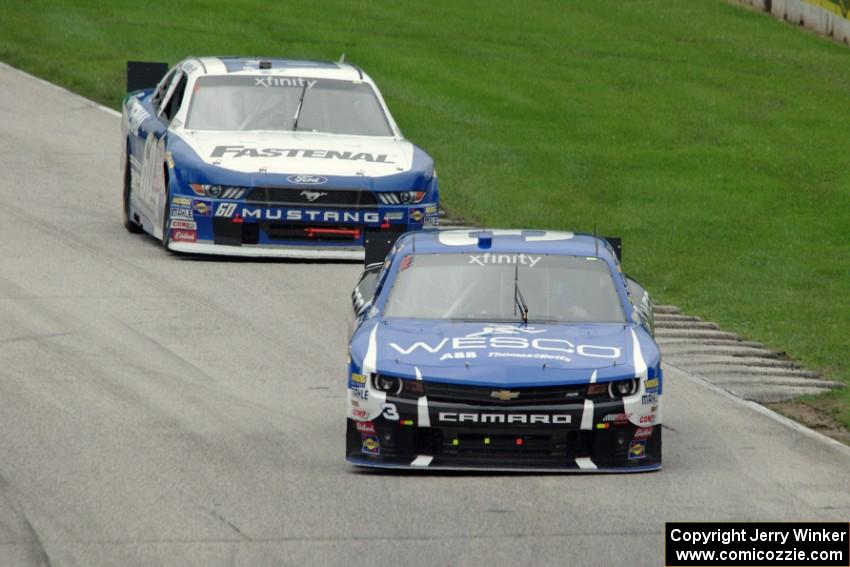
[[617, 244], [378, 244], [144, 74]]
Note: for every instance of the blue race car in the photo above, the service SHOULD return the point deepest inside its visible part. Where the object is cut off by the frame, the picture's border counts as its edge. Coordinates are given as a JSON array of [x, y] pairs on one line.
[[268, 157], [514, 350]]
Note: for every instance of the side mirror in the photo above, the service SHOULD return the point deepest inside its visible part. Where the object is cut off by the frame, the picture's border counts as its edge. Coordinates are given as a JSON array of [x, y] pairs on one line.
[[643, 303]]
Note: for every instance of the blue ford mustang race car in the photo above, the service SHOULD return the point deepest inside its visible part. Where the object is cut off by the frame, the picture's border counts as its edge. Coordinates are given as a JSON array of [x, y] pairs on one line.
[[268, 157], [521, 350]]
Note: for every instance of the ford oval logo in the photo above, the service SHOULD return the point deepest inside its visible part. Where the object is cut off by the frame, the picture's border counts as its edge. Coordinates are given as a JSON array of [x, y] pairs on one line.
[[307, 179]]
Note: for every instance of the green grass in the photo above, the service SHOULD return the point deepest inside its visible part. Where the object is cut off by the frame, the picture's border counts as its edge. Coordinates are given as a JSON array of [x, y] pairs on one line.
[[711, 138]]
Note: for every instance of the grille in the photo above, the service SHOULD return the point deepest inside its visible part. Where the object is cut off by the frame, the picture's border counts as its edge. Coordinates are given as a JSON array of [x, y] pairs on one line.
[[320, 196], [459, 447], [323, 233], [454, 393]]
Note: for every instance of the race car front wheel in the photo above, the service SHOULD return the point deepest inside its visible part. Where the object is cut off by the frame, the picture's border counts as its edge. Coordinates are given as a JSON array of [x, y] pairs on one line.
[[129, 224], [166, 209]]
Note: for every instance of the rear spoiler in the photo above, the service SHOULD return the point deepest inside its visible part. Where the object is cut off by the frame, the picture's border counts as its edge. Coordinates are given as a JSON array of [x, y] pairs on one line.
[[144, 74], [617, 244], [377, 244]]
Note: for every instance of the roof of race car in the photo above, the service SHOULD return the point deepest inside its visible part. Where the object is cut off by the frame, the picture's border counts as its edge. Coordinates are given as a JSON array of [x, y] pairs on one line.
[[271, 66], [509, 241]]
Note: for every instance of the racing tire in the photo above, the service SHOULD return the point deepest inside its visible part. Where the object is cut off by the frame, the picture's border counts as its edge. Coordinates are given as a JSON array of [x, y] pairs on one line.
[[127, 195], [166, 209]]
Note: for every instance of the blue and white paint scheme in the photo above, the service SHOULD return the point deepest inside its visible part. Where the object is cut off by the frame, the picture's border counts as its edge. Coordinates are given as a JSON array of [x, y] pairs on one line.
[[527, 393], [213, 165]]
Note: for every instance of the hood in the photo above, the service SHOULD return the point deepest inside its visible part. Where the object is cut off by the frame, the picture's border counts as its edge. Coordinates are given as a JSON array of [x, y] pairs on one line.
[[502, 354], [301, 153]]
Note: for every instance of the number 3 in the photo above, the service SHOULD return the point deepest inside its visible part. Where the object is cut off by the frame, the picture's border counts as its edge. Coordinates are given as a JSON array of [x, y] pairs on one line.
[[390, 412]]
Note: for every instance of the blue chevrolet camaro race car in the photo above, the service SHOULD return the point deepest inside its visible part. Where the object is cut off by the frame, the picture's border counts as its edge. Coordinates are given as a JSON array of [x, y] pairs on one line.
[[515, 350], [268, 157]]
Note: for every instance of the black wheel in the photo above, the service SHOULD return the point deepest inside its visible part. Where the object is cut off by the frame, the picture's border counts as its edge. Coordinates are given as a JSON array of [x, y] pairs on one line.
[[129, 223], [166, 210]]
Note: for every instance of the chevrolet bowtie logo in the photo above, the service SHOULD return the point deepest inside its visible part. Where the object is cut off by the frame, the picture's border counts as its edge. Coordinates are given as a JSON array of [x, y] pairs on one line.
[[504, 395]]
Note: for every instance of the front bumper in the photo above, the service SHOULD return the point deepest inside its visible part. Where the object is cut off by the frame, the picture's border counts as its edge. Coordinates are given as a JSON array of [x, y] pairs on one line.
[[234, 228], [568, 451], [576, 437]]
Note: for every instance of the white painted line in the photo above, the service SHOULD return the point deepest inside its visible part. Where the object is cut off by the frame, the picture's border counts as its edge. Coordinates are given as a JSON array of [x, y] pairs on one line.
[[422, 461], [767, 412], [585, 463], [587, 415], [106, 109]]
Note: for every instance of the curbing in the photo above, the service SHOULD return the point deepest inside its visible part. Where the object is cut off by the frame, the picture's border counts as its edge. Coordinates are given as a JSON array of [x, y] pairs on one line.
[[746, 368], [765, 411]]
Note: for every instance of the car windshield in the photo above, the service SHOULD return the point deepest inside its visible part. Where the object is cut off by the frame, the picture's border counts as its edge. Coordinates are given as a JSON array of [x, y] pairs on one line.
[[271, 102], [467, 287]]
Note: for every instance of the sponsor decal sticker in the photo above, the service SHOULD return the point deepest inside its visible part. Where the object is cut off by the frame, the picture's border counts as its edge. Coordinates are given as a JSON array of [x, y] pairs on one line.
[[647, 419], [652, 386], [184, 224], [359, 393], [617, 418], [643, 432], [245, 151], [491, 258], [269, 81], [360, 413], [432, 210], [371, 445], [417, 215], [649, 399], [201, 208], [366, 427], [359, 378], [541, 348], [181, 201], [637, 450], [183, 235], [181, 213]]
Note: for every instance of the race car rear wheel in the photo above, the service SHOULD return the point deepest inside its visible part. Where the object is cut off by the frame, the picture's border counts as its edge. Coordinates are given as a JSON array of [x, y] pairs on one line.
[[129, 223]]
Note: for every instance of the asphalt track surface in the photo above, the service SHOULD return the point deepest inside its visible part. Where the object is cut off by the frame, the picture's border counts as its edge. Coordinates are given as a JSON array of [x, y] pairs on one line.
[[164, 410]]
